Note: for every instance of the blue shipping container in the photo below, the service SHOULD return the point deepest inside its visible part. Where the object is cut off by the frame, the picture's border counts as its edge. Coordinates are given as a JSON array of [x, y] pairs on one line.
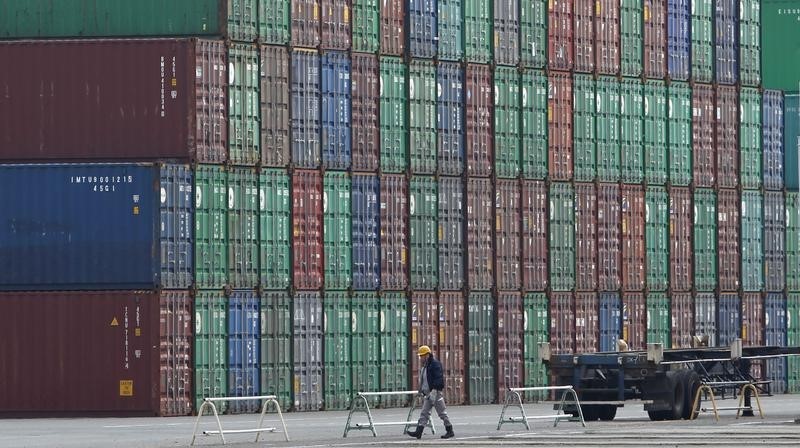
[[244, 350], [450, 118], [679, 43], [610, 321], [423, 32], [336, 110], [726, 41], [791, 141], [729, 321], [305, 92], [96, 226], [772, 139], [775, 334], [366, 232]]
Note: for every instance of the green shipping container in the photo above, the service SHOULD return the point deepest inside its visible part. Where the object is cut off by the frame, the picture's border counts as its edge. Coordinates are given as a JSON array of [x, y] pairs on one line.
[[658, 319], [244, 111], [793, 241], [365, 343], [793, 340], [450, 25], [366, 26], [655, 132], [532, 33], [478, 24], [422, 116], [679, 139], [235, 19], [752, 241], [750, 42], [705, 240], [423, 215], [481, 342], [394, 126], [274, 227], [337, 221], [537, 331], [243, 207], [276, 346], [631, 37], [631, 130], [702, 34], [562, 237], [607, 131], [394, 347], [506, 122], [791, 141], [337, 361], [210, 346], [273, 21], [211, 227], [584, 113], [780, 45], [534, 124], [657, 238], [750, 138]]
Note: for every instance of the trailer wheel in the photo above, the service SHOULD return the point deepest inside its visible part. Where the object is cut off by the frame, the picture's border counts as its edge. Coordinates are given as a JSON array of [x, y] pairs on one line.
[[590, 412], [657, 416], [692, 383], [607, 413], [678, 395]]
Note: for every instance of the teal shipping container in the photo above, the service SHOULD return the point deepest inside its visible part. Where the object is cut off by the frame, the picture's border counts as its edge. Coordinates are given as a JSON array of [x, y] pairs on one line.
[[210, 347], [793, 241], [394, 121], [244, 111], [679, 128], [791, 141], [243, 208], [451, 23], [211, 226], [337, 361], [607, 130], [423, 209], [534, 124], [658, 319], [532, 33], [506, 122], [584, 113], [365, 347], [705, 239], [536, 329], [655, 133], [752, 246], [657, 238], [632, 131], [274, 224], [337, 218], [394, 357], [276, 346], [562, 237], [481, 359], [422, 95]]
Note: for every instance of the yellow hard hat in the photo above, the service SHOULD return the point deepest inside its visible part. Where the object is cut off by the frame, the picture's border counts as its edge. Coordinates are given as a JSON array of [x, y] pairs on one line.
[[424, 350]]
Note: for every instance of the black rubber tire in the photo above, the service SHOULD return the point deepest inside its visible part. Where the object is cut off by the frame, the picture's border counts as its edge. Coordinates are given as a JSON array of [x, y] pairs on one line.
[[678, 388], [607, 413], [590, 413], [692, 384], [656, 416]]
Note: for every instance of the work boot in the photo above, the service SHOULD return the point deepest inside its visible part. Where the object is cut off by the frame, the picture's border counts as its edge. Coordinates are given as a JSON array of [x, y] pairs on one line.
[[449, 432], [418, 432]]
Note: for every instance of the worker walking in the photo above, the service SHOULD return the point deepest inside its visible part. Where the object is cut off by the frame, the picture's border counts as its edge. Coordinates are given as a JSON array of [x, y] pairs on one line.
[[431, 385]]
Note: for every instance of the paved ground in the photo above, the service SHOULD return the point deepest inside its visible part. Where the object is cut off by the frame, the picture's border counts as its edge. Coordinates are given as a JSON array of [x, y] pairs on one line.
[[474, 426]]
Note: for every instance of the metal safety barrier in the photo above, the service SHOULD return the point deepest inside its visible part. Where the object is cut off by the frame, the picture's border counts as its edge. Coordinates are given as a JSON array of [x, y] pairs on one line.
[[514, 399], [708, 388], [359, 404], [258, 429]]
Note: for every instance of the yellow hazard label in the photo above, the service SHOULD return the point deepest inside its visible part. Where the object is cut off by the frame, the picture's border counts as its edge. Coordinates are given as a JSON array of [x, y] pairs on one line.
[[414, 336], [125, 388], [549, 113], [137, 332], [597, 7], [174, 82], [498, 223], [346, 14], [114, 322], [625, 332], [550, 5], [296, 384], [441, 336], [744, 331], [646, 13], [135, 209]]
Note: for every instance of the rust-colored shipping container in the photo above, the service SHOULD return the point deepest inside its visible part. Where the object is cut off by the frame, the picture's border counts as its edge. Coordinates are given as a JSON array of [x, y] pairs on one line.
[[479, 105], [633, 229], [559, 35], [507, 234], [305, 23], [562, 323], [424, 328], [94, 353], [587, 330], [586, 237], [634, 321], [510, 344], [583, 35], [307, 225], [365, 105], [753, 327], [609, 260], [534, 236], [480, 255], [703, 121], [451, 346], [682, 307], [680, 239], [394, 232], [606, 36], [335, 24], [726, 145], [393, 35], [275, 99], [559, 124], [655, 38], [107, 100], [728, 240]]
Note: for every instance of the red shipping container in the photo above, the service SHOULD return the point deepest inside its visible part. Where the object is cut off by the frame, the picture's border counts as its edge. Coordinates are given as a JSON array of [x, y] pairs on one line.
[[275, 99], [394, 232], [609, 260], [633, 229], [123, 353], [424, 329], [682, 306], [562, 323], [587, 330], [559, 125], [680, 239], [728, 240], [586, 237], [451, 346], [634, 321], [365, 106], [559, 35], [534, 236], [655, 38], [507, 234], [583, 15], [606, 37], [393, 36], [173, 104], [307, 245], [510, 345], [703, 135], [479, 105], [305, 23], [480, 256], [753, 328], [726, 133], [335, 24]]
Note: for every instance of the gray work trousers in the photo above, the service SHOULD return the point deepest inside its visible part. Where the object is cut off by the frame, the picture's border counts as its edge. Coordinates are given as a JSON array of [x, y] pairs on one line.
[[435, 399]]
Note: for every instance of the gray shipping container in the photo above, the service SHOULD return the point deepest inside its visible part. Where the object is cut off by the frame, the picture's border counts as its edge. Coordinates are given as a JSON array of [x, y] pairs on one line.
[[451, 233], [705, 317], [775, 333], [308, 333], [274, 106], [480, 213], [507, 234], [506, 32], [729, 321], [305, 109]]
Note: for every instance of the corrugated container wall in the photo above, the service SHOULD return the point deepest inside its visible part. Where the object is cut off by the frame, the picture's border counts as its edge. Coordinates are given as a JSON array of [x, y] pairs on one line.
[[632, 131], [775, 335], [682, 313], [633, 238], [533, 33], [536, 328], [792, 241], [729, 255], [793, 339], [587, 331], [394, 232], [705, 239], [657, 240], [366, 232], [705, 317], [422, 116], [559, 35], [307, 361], [561, 229], [244, 85], [658, 319], [750, 138], [726, 145], [610, 321], [453, 350], [187, 122], [394, 356], [274, 22], [585, 238], [394, 120], [607, 36], [680, 239], [656, 154], [276, 346], [507, 122], [274, 229], [337, 361], [726, 42], [479, 112], [772, 139], [478, 40], [244, 350], [559, 125], [424, 327], [678, 42], [335, 24], [365, 104], [634, 321], [366, 26], [450, 118], [336, 113], [210, 347], [305, 23], [655, 38], [508, 235], [307, 225], [752, 242], [210, 227], [506, 14], [481, 356], [752, 320], [729, 319], [702, 40], [583, 37], [305, 109], [703, 121], [562, 322], [608, 122], [510, 343], [585, 118], [534, 236], [631, 37], [275, 100], [365, 342], [791, 142], [774, 241], [679, 138], [534, 151], [451, 233], [609, 260], [337, 232], [749, 42], [480, 250], [450, 25], [423, 233]]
